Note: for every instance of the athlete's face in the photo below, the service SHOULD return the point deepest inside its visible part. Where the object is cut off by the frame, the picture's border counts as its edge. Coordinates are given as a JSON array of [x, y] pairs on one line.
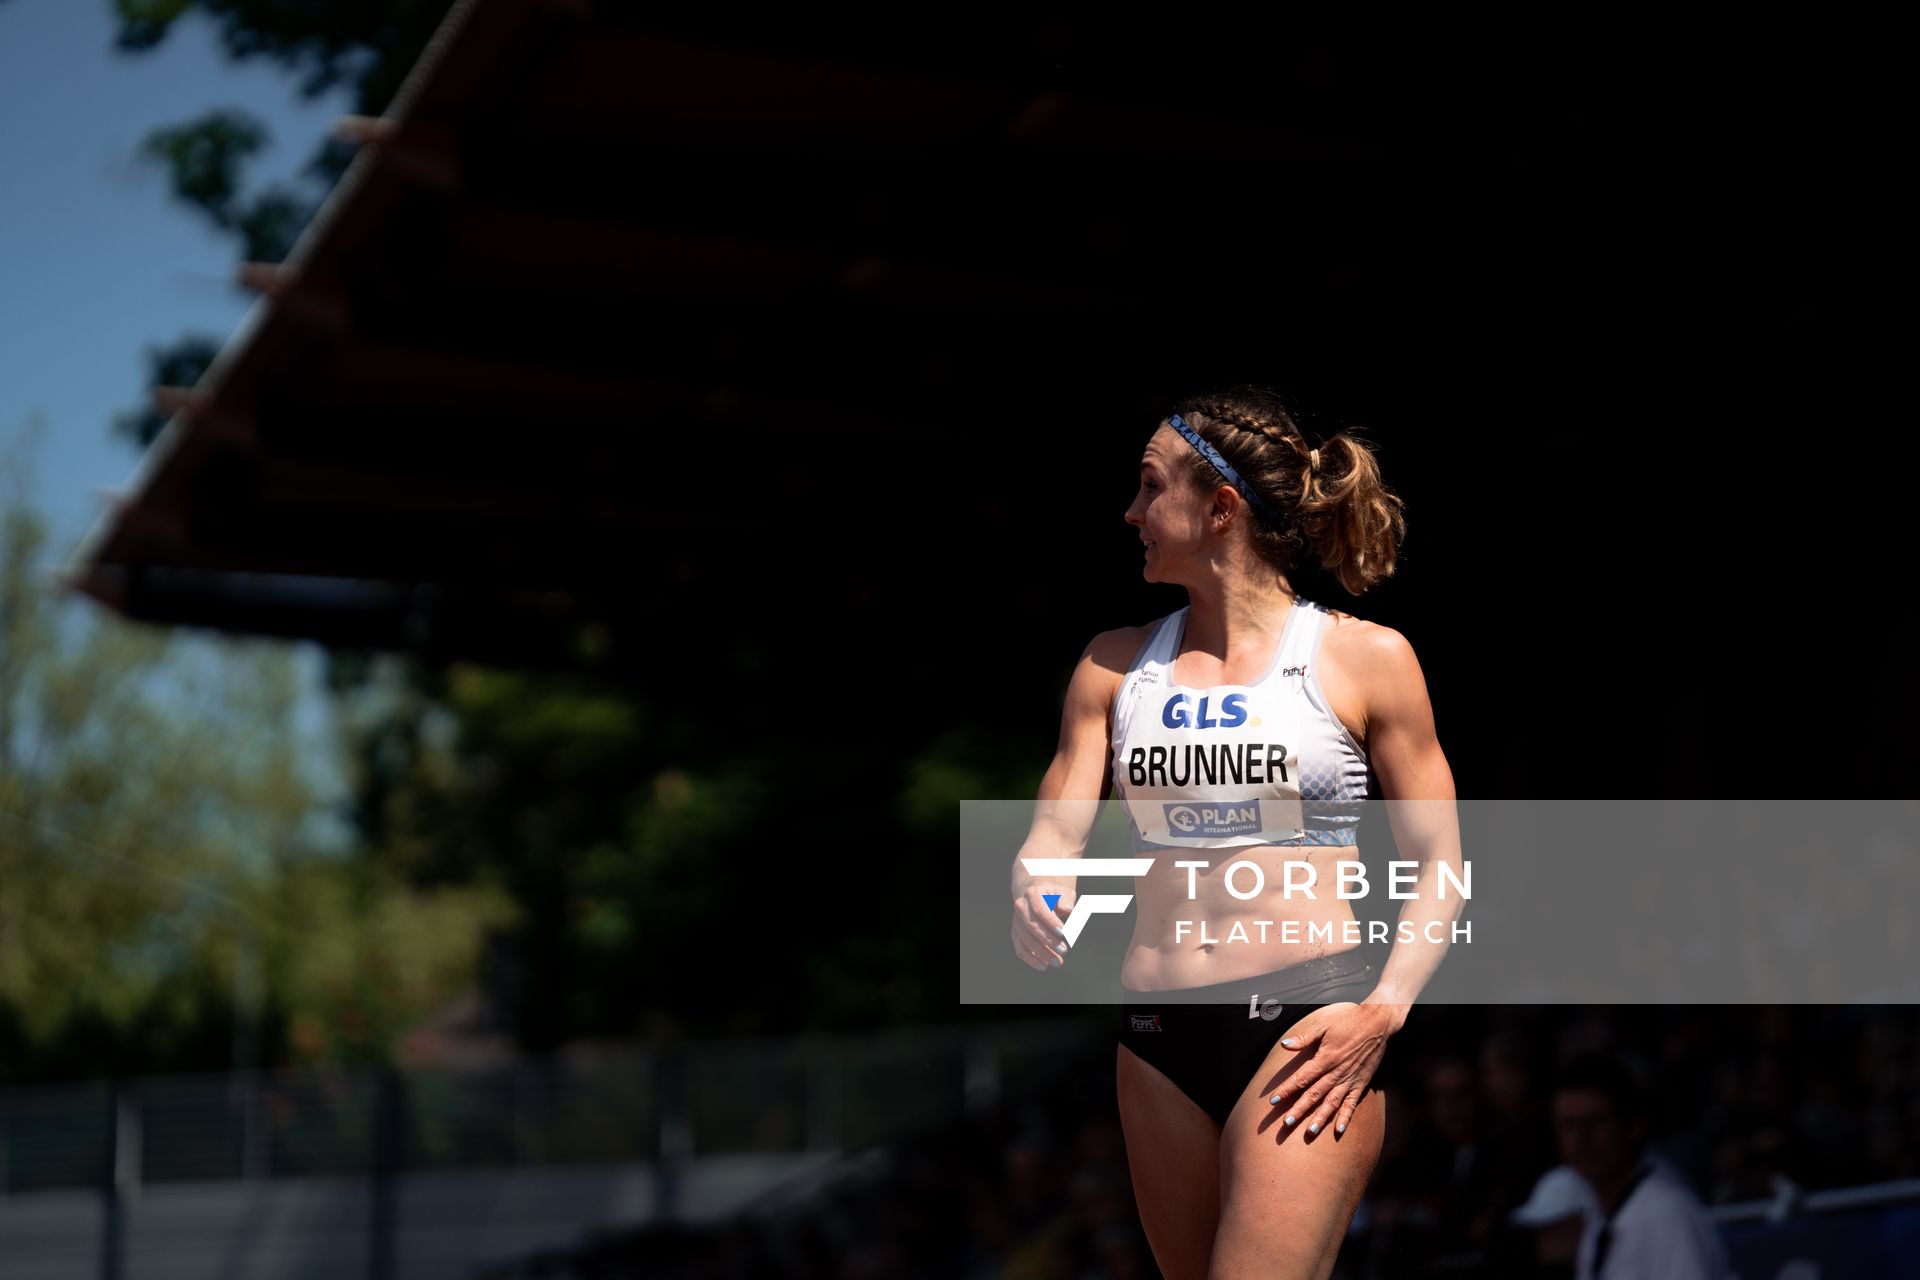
[[1170, 513]]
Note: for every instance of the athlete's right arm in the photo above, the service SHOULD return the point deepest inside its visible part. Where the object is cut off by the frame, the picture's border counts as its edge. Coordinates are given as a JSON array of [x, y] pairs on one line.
[[1070, 793]]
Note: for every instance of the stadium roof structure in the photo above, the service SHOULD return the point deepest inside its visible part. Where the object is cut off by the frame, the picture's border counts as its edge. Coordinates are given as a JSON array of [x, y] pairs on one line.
[[620, 313]]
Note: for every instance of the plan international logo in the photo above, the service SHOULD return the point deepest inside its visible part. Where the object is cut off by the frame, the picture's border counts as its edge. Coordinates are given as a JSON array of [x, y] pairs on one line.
[[1229, 818]]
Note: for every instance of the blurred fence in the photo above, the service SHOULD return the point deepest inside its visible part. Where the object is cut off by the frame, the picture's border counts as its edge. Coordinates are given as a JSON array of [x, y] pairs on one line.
[[691, 1131], [1845, 1231]]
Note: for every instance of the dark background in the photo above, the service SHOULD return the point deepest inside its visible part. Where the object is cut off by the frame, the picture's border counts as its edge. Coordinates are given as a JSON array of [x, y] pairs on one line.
[[1616, 304], [803, 366], [806, 364]]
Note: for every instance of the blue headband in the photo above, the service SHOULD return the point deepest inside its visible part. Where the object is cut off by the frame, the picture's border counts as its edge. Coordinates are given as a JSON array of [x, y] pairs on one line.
[[1212, 455]]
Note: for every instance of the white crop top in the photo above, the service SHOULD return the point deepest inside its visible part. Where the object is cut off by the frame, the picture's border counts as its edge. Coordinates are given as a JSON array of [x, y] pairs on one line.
[[1237, 764]]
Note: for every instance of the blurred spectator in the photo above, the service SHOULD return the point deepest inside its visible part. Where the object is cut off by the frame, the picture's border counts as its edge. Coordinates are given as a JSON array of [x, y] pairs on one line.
[[1541, 1238], [1519, 1130], [1650, 1225], [1468, 1207]]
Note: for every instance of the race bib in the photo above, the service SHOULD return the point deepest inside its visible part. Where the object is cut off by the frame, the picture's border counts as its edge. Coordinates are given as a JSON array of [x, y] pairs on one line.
[[1212, 768]]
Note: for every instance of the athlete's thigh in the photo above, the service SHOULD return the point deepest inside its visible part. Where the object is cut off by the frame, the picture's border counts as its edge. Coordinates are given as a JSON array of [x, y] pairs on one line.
[[1287, 1196], [1173, 1154]]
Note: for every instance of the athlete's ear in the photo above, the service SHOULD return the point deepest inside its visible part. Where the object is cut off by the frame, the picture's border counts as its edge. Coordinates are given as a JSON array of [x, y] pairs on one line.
[[1225, 508]]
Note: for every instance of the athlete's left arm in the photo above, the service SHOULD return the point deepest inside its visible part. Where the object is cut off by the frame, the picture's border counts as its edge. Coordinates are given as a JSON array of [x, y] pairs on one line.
[[1418, 785]]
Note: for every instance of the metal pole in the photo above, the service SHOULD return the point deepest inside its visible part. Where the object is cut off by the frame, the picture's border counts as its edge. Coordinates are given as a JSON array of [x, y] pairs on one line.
[[673, 1145], [122, 1178], [389, 1112], [244, 1089]]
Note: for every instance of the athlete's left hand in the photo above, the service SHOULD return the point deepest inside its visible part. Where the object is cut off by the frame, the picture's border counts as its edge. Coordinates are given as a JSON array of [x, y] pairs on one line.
[[1337, 1049]]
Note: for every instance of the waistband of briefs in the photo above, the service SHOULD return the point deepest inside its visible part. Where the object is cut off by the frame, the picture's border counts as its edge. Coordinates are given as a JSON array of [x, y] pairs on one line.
[[1295, 984]]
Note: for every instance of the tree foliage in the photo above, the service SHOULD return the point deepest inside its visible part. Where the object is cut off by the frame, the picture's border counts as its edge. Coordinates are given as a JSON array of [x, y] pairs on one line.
[[370, 44], [180, 364], [166, 845]]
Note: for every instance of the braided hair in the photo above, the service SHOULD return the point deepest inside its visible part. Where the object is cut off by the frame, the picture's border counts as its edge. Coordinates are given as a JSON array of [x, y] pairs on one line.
[[1330, 498]]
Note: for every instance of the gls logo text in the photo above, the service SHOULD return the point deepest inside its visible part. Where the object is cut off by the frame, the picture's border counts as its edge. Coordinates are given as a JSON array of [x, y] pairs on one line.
[[1233, 713], [1089, 904]]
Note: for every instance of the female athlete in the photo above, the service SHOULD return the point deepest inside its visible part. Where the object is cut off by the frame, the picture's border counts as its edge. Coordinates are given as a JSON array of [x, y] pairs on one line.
[[1244, 732]]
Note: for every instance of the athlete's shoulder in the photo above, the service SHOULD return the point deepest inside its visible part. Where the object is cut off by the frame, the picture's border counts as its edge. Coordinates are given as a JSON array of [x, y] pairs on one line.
[[1114, 650], [1103, 665], [1380, 661], [1369, 646]]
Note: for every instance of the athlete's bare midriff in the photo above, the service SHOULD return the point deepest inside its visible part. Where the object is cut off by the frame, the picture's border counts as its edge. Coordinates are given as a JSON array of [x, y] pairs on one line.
[[1214, 936]]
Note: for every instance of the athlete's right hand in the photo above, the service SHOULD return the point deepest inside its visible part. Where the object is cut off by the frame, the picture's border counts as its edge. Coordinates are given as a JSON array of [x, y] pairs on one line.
[[1038, 938]]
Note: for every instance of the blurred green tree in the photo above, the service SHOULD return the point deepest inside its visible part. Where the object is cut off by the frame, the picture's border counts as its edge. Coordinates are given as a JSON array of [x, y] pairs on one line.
[[172, 895]]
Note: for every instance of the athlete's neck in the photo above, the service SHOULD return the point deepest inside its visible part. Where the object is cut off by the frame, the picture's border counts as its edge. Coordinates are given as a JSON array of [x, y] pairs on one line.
[[1233, 620]]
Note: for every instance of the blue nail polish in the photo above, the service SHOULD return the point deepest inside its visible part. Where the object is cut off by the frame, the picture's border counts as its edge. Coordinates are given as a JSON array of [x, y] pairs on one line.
[[1341, 1127], [1314, 1127], [1289, 1119]]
